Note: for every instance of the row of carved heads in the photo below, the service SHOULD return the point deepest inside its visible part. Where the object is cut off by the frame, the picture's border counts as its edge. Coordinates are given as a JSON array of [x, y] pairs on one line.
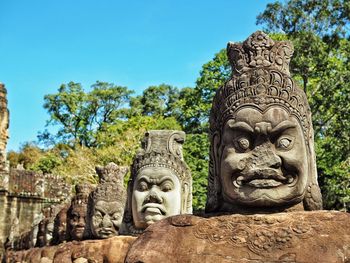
[[261, 156], [160, 186]]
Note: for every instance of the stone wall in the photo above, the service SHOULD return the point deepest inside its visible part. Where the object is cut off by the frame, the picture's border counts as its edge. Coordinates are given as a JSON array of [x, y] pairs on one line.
[[23, 197]]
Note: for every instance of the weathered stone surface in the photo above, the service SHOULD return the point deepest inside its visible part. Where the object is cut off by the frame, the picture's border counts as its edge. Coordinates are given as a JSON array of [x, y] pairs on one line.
[[60, 226], [281, 237], [106, 250], [111, 250], [4, 126], [262, 154], [107, 202], [77, 228], [160, 184]]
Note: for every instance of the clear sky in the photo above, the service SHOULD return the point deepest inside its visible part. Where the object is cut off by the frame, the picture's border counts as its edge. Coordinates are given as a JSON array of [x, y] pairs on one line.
[[44, 43]]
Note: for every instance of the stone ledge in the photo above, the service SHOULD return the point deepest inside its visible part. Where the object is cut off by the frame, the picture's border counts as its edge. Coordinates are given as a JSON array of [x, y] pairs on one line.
[[321, 236], [284, 237], [105, 251]]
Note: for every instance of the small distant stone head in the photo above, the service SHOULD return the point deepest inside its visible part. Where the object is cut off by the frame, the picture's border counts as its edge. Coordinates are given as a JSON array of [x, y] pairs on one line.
[[107, 201], [60, 226], [161, 184], [262, 149], [77, 214], [45, 232]]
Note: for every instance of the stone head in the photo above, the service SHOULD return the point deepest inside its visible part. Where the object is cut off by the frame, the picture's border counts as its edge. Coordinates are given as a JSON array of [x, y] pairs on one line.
[[160, 184], [60, 226], [262, 148], [77, 213], [107, 201], [45, 231]]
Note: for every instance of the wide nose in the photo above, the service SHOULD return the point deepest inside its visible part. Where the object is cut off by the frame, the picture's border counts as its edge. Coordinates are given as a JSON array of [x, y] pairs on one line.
[[154, 196], [264, 156], [273, 160], [81, 221], [107, 221]]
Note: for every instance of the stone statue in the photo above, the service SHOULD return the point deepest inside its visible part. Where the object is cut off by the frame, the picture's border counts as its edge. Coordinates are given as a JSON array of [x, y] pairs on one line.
[[107, 201], [160, 184], [4, 125], [60, 226], [45, 232], [262, 148], [77, 212]]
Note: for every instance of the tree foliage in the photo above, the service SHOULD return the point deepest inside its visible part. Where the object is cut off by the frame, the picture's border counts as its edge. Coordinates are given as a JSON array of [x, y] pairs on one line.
[[80, 115]]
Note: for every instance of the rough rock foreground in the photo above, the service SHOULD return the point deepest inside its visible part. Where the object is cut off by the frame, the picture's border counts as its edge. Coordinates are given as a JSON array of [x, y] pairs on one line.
[[321, 236]]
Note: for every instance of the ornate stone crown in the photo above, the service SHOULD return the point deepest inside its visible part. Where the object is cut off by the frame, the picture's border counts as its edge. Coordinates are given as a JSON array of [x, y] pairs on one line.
[[162, 148], [260, 78], [161, 159], [82, 192], [111, 186]]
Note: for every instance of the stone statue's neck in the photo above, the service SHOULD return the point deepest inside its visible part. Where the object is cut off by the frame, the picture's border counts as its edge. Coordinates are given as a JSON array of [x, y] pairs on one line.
[[235, 209]]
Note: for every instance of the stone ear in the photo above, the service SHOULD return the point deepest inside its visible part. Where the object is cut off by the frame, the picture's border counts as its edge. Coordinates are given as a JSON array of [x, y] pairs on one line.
[[184, 194], [313, 197], [214, 185]]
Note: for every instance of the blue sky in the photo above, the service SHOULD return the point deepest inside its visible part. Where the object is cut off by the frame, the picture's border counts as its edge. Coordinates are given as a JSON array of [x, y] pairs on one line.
[[130, 43]]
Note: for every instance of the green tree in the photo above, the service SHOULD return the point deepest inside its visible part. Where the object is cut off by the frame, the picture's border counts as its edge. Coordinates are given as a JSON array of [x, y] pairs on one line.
[[155, 101], [194, 104], [319, 31], [80, 115]]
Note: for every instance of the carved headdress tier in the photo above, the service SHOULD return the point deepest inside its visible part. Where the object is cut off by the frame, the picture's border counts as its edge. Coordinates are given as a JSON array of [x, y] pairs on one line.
[[260, 78], [260, 51], [110, 186], [162, 148], [82, 192]]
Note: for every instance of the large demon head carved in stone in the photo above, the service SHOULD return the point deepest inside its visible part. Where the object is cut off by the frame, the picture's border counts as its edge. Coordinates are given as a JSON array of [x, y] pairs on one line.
[[262, 148]]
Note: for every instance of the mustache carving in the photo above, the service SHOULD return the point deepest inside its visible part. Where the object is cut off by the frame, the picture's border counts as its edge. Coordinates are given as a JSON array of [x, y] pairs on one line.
[[248, 175]]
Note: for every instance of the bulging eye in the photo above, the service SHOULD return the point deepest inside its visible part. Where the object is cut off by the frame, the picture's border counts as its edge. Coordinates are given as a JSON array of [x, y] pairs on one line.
[[167, 187], [243, 144], [285, 143], [116, 216], [142, 186]]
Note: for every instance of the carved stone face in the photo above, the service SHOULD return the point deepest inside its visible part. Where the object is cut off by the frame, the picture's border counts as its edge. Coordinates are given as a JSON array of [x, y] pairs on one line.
[[264, 159], [106, 219], [77, 221], [156, 195], [49, 231], [41, 234], [61, 225]]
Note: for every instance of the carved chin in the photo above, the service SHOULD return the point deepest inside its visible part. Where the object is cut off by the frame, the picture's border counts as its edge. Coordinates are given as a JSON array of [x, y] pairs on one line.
[[106, 232]]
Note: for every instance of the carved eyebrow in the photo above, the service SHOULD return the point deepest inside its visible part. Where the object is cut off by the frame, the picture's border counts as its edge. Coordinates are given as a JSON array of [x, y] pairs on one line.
[[158, 181], [143, 178], [241, 126], [284, 125], [101, 209], [167, 178]]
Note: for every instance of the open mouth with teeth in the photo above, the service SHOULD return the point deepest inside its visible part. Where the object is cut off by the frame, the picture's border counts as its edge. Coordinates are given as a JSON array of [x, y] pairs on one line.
[[263, 178]]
